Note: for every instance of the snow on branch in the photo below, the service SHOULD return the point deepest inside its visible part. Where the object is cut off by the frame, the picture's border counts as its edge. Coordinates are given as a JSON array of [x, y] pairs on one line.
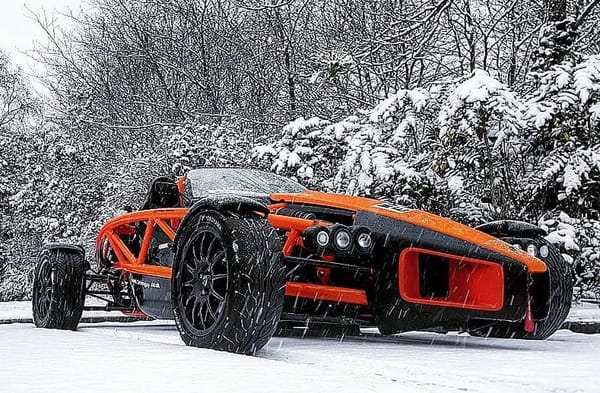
[[481, 106]]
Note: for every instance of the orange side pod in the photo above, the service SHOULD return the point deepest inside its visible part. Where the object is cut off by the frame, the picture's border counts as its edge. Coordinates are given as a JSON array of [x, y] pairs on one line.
[[471, 283]]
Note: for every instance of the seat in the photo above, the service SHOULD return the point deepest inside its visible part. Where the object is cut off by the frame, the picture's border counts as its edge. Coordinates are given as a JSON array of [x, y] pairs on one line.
[[163, 193]]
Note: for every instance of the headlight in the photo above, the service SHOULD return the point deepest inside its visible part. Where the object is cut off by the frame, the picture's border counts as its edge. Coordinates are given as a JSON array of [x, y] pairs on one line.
[[544, 251], [363, 239], [338, 239], [316, 237], [322, 238], [531, 250], [342, 238]]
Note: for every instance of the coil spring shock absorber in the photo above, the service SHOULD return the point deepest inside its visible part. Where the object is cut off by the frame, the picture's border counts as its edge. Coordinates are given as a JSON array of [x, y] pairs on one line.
[[286, 211]]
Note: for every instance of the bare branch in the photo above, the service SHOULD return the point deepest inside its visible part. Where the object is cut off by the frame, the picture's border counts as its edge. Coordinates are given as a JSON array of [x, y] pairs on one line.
[[587, 10]]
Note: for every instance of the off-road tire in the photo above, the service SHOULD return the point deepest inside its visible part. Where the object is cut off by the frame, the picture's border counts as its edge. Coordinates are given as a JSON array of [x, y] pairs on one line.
[[249, 256], [59, 289], [561, 292]]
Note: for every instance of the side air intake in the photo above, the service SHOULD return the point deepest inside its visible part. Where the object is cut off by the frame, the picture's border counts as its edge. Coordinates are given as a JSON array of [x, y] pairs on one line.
[[435, 278]]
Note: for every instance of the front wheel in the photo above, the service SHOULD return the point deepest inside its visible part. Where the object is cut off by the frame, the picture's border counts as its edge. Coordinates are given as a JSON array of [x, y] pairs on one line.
[[59, 289], [561, 292], [228, 282]]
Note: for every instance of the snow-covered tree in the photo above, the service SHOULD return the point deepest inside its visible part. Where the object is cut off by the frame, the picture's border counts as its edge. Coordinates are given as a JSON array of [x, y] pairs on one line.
[[556, 42], [562, 181], [377, 161], [194, 145], [367, 154], [563, 118], [479, 122], [579, 241], [308, 149], [17, 106]]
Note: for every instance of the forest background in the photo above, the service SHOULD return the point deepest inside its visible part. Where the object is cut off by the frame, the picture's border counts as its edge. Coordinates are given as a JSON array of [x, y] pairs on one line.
[[476, 110]]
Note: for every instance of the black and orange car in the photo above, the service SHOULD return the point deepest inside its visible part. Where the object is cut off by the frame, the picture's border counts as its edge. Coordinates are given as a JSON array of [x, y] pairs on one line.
[[231, 254]]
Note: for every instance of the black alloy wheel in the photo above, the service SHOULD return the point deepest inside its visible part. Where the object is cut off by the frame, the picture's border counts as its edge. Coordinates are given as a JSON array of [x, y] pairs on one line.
[[228, 281], [204, 280]]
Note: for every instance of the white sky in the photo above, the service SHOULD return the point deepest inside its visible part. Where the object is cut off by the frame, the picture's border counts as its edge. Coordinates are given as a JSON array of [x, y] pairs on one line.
[[18, 30]]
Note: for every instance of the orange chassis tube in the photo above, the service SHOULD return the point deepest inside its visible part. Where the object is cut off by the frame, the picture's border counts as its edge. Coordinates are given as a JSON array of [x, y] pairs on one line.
[[168, 221]]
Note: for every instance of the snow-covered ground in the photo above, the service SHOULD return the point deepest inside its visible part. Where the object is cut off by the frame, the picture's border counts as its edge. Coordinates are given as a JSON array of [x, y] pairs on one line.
[[150, 357]]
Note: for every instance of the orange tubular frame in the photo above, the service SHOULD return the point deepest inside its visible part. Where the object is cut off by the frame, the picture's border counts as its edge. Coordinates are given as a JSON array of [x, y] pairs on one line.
[[123, 224], [168, 220]]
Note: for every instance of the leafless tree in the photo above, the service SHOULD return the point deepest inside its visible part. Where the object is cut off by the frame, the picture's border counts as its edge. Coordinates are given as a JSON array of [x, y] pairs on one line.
[[16, 100]]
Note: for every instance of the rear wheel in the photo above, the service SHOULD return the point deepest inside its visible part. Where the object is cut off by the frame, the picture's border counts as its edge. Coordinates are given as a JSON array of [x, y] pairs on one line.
[[59, 289], [228, 282], [561, 292]]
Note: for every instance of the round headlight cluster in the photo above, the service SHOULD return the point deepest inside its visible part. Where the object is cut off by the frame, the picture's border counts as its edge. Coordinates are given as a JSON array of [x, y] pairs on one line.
[[338, 238], [542, 252]]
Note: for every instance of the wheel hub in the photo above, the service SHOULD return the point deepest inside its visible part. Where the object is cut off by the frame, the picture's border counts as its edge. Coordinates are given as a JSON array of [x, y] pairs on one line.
[[202, 284]]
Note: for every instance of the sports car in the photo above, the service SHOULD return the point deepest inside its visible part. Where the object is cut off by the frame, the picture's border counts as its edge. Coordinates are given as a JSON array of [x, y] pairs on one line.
[[233, 255]]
